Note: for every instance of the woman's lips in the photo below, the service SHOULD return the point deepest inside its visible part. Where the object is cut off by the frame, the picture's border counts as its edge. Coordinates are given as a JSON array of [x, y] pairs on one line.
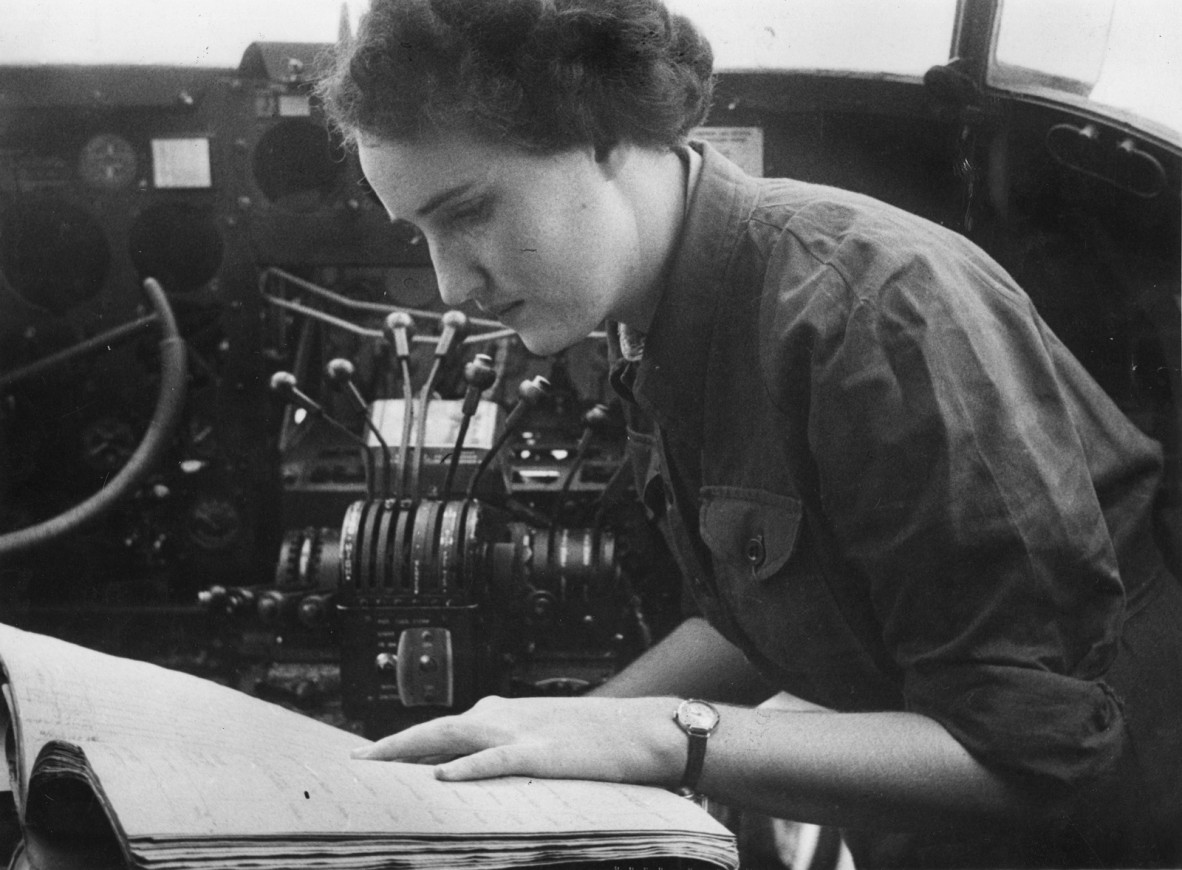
[[505, 311]]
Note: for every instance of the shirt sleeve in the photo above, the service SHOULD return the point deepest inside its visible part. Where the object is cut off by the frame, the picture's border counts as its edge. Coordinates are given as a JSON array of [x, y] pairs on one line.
[[959, 492]]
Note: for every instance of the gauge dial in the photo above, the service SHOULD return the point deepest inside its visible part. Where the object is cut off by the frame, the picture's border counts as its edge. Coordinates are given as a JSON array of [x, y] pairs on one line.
[[107, 444], [108, 162], [214, 522]]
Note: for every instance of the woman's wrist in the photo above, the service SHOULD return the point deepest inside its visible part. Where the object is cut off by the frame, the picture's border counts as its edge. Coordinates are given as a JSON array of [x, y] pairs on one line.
[[664, 745]]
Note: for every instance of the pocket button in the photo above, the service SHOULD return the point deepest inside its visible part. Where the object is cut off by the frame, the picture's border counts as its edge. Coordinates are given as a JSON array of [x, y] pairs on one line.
[[754, 551]]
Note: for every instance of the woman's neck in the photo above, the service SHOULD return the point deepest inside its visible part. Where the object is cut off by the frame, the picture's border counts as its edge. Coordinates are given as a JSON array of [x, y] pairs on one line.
[[656, 182]]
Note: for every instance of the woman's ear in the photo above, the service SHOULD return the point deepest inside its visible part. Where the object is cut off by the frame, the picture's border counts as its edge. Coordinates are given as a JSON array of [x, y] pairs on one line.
[[611, 157]]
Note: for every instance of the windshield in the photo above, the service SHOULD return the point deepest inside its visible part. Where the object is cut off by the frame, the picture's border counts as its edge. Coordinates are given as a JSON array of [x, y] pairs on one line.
[[902, 37], [1121, 57], [205, 33], [1116, 56]]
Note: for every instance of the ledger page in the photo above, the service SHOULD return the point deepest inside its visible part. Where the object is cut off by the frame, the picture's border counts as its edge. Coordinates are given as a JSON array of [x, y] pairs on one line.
[[181, 757], [200, 792], [61, 691]]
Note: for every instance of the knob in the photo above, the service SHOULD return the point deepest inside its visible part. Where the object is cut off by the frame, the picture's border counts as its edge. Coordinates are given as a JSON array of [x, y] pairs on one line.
[[534, 390], [283, 383], [270, 607], [398, 328], [339, 371], [480, 375], [453, 325], [313, 611]]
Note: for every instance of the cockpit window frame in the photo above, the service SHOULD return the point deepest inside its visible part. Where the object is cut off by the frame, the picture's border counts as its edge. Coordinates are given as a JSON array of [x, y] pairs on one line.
[[975, 48]]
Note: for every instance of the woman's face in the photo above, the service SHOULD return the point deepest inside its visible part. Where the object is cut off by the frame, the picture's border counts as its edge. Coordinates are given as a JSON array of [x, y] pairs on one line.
[[548, 245]]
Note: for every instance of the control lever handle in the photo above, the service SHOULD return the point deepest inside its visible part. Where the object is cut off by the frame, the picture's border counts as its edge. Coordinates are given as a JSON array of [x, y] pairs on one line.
[[285, 385], [530, 393], [340, 375], [453, 325], [596, 420], [398, 329], [480, 375]]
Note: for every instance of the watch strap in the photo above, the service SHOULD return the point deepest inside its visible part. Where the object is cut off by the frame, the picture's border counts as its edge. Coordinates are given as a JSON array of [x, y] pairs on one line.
[[697, 720], [694, 761]]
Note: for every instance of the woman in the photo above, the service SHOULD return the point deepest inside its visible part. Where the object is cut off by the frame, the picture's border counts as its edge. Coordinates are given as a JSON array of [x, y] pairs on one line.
[[896, 498]]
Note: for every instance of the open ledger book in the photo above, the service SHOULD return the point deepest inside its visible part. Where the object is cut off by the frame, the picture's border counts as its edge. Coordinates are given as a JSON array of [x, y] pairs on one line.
[[115, 762]]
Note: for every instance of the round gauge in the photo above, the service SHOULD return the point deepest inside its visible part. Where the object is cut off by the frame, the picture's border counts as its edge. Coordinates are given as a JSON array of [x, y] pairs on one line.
[[214, 522], [107, 162], [107, 443]]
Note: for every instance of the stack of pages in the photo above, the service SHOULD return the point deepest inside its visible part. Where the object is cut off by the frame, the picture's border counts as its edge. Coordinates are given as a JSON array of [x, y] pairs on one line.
[[121, 763]]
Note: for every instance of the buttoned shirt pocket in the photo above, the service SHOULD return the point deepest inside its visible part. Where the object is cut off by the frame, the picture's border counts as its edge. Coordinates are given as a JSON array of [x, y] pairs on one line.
[[749, 531], [775, 597]]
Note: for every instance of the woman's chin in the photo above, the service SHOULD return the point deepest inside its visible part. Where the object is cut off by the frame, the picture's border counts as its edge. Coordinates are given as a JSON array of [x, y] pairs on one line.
[[543, 342]]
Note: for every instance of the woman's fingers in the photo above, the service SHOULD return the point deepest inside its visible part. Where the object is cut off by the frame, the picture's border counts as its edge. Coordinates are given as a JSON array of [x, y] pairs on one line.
[[440, 738], [578, 738], [488, 763]]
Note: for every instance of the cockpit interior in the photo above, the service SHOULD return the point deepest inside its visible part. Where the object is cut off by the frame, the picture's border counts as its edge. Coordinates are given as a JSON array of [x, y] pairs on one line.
[[242, 437]]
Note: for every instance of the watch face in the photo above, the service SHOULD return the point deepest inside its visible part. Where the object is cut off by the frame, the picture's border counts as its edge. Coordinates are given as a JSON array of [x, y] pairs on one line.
[[697, 716]]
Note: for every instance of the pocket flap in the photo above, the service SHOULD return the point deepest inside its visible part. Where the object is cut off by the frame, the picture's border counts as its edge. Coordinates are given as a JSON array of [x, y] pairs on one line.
[[749, 528]]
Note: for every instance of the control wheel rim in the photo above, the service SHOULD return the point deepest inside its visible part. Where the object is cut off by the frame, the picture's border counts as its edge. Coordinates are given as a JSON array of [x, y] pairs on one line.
[[170, 400]]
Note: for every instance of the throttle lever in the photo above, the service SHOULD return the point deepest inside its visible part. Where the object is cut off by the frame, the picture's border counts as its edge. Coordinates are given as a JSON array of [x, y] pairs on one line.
[[340, 375], [530, 393], [398, 329], [480, 375], [453, 324]]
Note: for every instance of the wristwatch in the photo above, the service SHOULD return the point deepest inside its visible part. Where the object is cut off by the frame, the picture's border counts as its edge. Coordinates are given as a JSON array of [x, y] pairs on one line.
[[698, 719]]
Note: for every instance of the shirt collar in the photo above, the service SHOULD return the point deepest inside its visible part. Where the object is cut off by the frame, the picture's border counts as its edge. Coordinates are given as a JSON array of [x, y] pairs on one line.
[[669, 381]]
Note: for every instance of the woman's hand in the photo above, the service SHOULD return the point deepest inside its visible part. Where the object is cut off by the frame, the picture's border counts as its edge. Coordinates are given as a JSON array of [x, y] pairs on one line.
[[791, 760], [613, 739]]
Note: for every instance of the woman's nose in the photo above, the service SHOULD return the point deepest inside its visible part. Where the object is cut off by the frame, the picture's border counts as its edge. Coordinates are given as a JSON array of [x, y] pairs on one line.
[[456, 272]]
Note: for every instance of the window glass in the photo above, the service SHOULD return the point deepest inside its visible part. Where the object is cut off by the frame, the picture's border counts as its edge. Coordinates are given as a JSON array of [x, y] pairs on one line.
[[1122, 57], [209, 33], [903, 37], [890, 36]]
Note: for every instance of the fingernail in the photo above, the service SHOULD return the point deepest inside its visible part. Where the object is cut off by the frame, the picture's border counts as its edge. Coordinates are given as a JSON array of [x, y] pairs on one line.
[[360, 752]]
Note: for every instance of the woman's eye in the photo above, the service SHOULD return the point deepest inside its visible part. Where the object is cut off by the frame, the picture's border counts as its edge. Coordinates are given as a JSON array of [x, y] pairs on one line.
[[470, 212]]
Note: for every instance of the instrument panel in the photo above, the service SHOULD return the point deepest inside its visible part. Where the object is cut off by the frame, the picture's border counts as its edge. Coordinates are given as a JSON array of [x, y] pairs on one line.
[[197, 178], [228, 188]]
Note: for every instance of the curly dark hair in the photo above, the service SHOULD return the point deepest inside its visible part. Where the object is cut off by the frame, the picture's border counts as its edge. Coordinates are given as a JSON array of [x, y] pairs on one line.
[[546, 75]]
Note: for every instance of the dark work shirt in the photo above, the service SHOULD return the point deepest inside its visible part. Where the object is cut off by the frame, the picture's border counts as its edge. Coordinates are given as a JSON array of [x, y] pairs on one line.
[[893, 488]]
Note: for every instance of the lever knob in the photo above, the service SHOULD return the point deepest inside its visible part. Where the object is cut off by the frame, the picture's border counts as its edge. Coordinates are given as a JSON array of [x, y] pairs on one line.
[[398, 328], [339, 371], [598, 418], [283, 383], [313, 611], [533, 390], [479, 373], [453, 324]]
